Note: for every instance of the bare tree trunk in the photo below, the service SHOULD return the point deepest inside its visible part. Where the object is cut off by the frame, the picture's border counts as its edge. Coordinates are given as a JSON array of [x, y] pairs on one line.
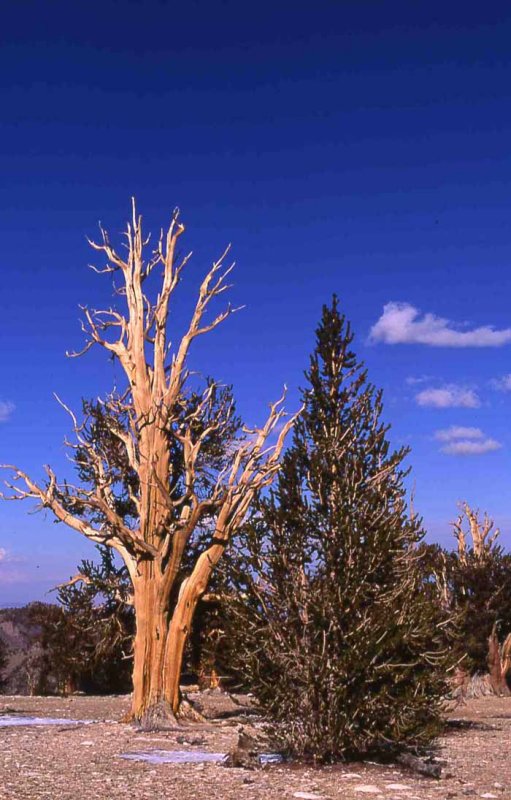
[[159, 648], [179, 631], [498, 663], [150, 701]]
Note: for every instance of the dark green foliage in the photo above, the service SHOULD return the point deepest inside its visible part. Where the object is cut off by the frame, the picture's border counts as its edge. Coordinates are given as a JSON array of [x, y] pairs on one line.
[[476, 588], [98, 437], [87, 640], [98, 602], [481, 592], [334, 625]]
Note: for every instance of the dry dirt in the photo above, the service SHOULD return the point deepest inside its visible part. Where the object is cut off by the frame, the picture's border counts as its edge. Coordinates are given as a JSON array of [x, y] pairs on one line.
[[83, 762]]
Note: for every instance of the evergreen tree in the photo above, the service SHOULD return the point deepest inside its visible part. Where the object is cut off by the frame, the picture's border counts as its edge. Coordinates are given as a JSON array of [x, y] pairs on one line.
[[473, 581], [86, 641], [341, 640]]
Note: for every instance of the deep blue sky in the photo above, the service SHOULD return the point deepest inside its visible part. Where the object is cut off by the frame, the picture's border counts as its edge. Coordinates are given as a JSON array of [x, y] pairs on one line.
[[361, 148]]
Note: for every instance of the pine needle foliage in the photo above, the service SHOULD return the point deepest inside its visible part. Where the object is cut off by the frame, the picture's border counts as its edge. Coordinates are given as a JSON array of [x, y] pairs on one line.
[[341, 642]]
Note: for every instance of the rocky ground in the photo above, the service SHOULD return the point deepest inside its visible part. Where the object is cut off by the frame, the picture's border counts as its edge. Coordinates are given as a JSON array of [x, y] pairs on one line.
[[83, 762]]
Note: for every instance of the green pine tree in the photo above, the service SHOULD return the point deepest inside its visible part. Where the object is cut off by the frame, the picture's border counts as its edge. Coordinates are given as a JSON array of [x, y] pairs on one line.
[[341, 640]]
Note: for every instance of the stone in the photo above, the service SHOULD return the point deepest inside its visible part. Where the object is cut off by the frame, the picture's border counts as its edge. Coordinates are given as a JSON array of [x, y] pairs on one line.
[[309, 796], [400, 787], [244, 754]]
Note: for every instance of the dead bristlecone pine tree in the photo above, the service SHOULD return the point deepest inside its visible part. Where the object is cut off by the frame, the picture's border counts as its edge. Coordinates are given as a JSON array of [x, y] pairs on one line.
[[479, 578], [156, 480]]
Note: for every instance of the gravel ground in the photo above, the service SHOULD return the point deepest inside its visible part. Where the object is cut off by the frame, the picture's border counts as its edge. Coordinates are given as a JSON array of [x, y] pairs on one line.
[[84, 761]]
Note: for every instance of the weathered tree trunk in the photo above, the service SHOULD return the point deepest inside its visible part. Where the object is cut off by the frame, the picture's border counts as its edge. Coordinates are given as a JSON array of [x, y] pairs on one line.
[[179, 631], [190, 593], [150, 700], [160, 642], [499, 663]]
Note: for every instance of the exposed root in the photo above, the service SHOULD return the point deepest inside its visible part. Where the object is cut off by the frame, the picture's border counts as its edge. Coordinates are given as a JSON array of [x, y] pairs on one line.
[[474, 686], [158, 717], [188, 712]]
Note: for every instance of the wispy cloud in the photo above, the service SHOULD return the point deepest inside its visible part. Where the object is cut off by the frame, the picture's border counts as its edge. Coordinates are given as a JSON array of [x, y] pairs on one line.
[[12, 568], [450, 396], [502, 384], [464, 447], [6, 409], [402, 323], [461, 441], [415, 380], [458, 432]]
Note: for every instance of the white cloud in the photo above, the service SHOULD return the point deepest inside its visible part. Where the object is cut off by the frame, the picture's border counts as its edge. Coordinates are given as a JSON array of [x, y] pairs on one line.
[[3, 554], [450, 396], [414, 380], [461, 441], [6, 409], [502, 384], [458, 432], [401, 323], [466, 447]]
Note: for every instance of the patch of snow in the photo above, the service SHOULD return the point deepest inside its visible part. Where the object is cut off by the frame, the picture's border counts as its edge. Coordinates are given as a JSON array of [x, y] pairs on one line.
[[190, 757], [271, 758], [8, 720], [174, 756]]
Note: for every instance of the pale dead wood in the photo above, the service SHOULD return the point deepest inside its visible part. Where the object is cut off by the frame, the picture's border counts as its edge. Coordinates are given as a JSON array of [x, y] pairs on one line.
[[480, 533], [147, 420]]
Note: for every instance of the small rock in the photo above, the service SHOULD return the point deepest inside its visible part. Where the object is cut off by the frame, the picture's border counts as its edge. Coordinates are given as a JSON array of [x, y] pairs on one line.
[[398, 786], [244, 754], [419, 765], [368, 788], [309, 796], [488, 795], [198, 740]]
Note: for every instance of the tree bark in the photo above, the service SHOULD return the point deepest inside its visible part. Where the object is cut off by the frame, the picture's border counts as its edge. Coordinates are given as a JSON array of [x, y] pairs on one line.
[[190, 593], [498, 663], [150, 702], [179, 630], [159, 647]]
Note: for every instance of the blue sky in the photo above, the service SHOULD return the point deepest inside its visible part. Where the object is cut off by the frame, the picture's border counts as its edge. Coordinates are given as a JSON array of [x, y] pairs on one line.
[[358, 147]]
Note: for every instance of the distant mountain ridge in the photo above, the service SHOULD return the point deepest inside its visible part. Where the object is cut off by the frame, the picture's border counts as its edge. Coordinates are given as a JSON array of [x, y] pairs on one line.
[[20, 637]]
